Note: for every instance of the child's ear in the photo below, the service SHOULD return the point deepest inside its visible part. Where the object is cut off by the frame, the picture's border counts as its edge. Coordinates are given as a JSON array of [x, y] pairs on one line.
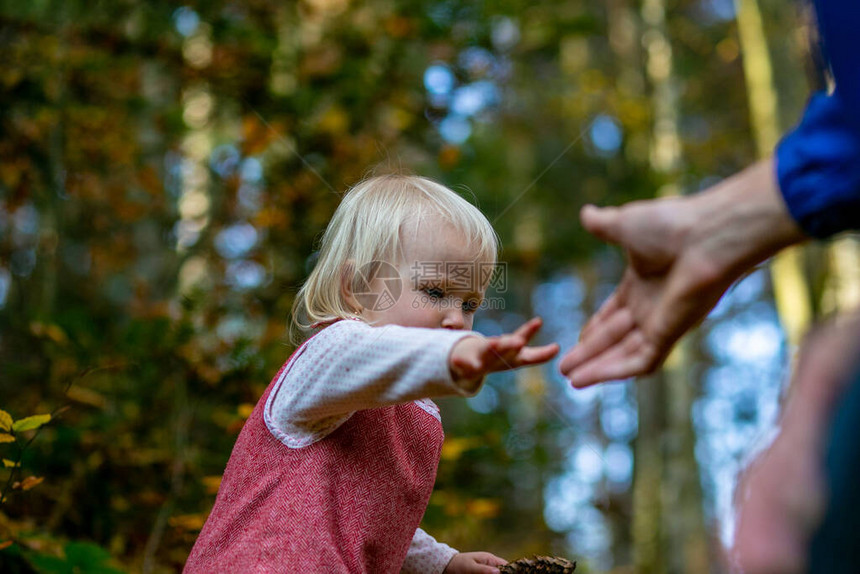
[[347, 275]]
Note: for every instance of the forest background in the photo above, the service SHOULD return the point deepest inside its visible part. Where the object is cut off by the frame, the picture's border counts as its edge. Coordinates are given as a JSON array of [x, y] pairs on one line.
[[166, 170]]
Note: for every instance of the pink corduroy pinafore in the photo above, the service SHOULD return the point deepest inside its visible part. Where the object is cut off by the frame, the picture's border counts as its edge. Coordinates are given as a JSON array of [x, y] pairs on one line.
[[350, 502]]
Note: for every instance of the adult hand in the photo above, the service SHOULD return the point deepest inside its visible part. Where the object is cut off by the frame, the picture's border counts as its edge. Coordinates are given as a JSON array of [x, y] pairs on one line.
[[683, 253], [474, 563], [472, 358]]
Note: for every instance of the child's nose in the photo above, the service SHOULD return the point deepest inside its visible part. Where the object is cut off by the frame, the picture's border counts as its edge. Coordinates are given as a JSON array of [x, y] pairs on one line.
[[454, 319]]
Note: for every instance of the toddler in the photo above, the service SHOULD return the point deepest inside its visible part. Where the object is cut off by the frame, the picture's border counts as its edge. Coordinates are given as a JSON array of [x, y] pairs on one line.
[[334, 468]]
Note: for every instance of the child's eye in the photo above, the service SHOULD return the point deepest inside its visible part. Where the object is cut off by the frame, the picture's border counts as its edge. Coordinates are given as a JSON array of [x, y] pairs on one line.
[[434, 292], [470, 306]]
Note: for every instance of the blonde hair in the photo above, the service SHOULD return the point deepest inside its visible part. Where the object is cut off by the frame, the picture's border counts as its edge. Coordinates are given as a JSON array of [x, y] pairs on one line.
[[366, 228]]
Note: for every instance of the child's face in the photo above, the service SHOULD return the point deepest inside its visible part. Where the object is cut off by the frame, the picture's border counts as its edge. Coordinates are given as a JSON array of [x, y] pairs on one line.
[[439, 280]]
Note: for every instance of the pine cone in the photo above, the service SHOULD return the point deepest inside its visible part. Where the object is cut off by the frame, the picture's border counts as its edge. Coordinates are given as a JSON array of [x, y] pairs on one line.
[[539, 564]]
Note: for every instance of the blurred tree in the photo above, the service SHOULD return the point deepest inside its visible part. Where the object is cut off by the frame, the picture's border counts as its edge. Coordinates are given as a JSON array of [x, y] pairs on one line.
[[791, 290]]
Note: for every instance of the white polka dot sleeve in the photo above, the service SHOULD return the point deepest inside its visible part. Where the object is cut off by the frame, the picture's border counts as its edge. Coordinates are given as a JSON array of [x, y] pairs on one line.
[[351, 366], [426, 555]]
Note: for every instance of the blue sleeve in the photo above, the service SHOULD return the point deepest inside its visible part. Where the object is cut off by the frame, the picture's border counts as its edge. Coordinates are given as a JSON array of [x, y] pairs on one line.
[[818, 164], [839, 23], [818, 169]]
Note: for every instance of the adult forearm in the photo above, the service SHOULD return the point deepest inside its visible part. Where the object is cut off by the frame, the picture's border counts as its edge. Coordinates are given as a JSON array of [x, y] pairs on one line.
[[742, 221]]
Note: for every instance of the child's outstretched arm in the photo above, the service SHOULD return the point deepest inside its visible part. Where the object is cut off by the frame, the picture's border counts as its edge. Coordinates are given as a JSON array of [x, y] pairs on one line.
[[352, 366], [473, 358]]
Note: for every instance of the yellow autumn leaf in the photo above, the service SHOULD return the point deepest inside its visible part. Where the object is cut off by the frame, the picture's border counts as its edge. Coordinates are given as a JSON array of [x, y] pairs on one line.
[[4, 437], [10, 463], [86, 396], [334, 121], [453, 507], [5, 421], [56, 334], [453, 448], [483, 507], [30, 423], [212, 483], [31, 481], [188, 521], [28, 483], [245, 410], [53, 332]]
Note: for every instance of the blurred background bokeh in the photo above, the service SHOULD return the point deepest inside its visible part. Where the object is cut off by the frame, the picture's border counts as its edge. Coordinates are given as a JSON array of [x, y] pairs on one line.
[[165, 172]]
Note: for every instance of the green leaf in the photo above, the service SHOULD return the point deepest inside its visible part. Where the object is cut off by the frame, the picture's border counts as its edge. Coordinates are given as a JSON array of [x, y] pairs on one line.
[[45, 564], [80, 558], [4, 437], [5, 421], [30, 423], [83, 553], [89, 558]]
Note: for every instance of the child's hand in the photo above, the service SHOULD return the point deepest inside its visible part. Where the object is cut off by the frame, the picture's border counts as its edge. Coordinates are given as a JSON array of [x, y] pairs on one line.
[[472, 358], [474, 563]]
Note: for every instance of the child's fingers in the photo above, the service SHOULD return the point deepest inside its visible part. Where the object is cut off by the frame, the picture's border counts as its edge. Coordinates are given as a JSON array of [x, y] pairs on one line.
[[509, 344], [536, 355], [504, 344], [505, 351], [528, 329], [497, 356], [503, 355], [489, 559], [485, 562]]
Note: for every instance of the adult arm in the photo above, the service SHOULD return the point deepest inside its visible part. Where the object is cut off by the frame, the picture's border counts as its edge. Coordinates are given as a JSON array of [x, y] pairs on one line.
[[818, 166], [683, 253], [818, 163]]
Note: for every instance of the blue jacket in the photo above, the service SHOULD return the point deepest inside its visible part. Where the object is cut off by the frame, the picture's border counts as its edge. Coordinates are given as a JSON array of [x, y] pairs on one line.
[[818, 164]]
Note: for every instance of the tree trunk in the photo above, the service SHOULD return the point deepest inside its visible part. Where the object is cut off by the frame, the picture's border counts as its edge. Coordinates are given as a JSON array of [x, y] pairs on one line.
[[841, 291], [791, 289], [637, 529], [648, 550], [687, 547], [666, 461]]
